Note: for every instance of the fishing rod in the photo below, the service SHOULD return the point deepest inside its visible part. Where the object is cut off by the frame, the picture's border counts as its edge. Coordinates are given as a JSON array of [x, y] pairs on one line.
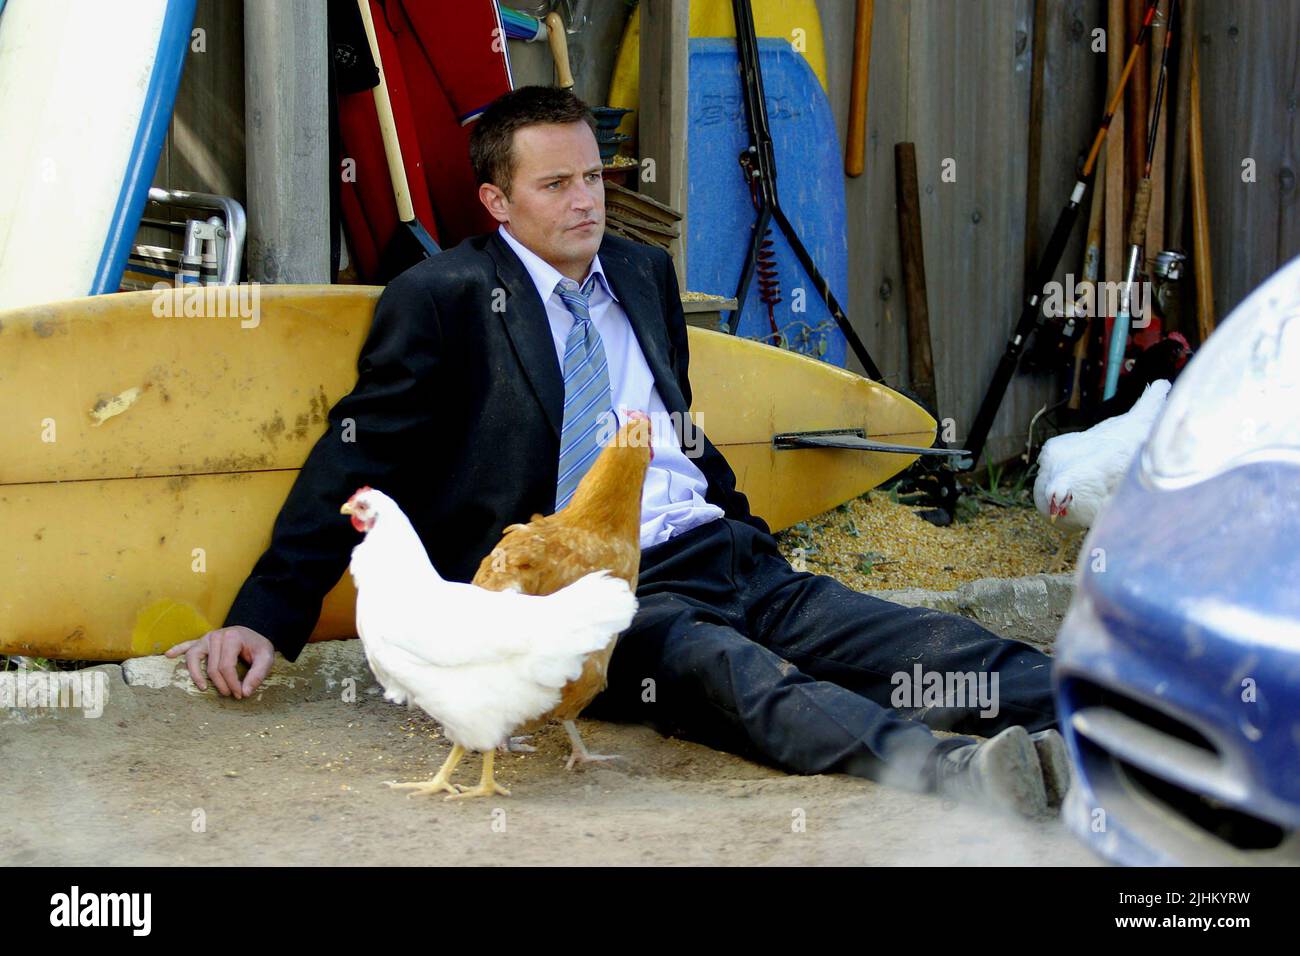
[[1051, 258], [1137, 228]]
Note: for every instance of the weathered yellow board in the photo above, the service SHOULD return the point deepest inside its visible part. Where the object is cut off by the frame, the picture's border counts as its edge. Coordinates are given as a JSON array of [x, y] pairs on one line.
[[104, 570], [745, 392], [143, 458]]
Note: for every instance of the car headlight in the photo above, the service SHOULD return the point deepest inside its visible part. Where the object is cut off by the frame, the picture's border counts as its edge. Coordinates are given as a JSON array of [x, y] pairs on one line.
[[1238, 400]]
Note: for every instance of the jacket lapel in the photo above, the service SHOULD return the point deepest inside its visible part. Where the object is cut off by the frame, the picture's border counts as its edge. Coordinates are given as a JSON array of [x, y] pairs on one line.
[[530, 331], [635, 290]]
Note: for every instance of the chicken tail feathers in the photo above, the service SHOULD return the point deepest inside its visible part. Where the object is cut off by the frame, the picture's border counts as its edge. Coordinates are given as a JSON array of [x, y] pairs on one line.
[[579, 620]]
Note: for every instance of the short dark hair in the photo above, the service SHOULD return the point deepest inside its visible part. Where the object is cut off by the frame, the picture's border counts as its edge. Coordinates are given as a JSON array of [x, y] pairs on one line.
[[492, 141]]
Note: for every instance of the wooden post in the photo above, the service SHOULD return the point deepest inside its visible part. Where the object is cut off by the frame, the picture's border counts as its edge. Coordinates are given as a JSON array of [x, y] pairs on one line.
[[661, 127], [920, 360], [1033, 171], [286, 108], [1175, 232]]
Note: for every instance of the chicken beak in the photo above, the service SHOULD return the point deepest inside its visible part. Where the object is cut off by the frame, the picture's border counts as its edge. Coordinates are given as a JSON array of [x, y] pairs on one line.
[[346, 509], [1052, 517]]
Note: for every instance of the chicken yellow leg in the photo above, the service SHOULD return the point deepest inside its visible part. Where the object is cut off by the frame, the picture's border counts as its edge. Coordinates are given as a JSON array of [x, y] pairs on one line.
[[487, 785], [440, 782]]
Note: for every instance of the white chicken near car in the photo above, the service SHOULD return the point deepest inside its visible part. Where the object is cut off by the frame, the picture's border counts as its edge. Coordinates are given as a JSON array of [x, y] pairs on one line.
[[480, 662], [1078, 471]]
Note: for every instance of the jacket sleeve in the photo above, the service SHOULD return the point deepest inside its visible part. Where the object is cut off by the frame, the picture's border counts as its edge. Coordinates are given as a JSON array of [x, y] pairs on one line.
[[722, 480], [373, 434]]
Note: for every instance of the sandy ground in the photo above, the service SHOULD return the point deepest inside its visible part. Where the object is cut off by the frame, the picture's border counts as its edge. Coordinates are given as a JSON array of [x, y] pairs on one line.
[[168, 775], [172, 776]]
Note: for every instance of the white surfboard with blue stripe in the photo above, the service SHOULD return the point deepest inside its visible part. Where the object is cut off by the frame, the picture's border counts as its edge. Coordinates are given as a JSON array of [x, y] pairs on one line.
[[86, 96]]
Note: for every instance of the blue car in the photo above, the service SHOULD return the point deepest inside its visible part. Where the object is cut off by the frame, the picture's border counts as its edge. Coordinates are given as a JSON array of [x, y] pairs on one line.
[[1178, 676]]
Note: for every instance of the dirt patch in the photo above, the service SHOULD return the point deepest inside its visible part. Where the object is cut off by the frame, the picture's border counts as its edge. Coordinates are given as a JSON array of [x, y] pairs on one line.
[[167, 776]]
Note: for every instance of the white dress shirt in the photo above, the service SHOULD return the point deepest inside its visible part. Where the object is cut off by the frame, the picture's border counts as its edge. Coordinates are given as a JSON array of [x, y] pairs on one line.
[[672, 500]]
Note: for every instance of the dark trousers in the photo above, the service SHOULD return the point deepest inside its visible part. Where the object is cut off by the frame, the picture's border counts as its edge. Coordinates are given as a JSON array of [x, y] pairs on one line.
[[734, 649]]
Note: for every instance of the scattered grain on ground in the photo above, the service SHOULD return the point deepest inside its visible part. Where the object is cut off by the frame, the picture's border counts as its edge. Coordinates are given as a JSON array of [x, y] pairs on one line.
[[876, 543]]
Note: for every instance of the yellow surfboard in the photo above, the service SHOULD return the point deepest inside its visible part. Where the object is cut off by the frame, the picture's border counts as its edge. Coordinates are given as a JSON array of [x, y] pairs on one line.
[[794, 20], [144, 453]]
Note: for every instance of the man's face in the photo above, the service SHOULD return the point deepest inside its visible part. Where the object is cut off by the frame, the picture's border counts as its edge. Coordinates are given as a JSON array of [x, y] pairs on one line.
[[557, 198]]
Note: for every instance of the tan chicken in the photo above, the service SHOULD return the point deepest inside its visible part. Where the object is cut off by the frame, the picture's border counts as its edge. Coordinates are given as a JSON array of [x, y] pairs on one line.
[[600, 529]]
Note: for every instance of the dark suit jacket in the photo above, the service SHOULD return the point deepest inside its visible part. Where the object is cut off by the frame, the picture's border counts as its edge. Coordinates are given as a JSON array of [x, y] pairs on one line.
[[457, 412]]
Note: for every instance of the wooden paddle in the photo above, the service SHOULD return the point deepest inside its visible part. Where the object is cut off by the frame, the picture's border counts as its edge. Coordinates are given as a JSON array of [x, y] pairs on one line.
[[1115, 143], [1200, 209], [855, 146], [559, 43], [412, 241]]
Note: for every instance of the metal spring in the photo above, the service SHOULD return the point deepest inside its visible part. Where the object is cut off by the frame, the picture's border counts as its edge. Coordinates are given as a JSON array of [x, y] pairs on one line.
[[769, 281]]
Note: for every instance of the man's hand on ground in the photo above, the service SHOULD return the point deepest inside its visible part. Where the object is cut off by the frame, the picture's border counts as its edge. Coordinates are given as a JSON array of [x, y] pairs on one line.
[[222, 648]]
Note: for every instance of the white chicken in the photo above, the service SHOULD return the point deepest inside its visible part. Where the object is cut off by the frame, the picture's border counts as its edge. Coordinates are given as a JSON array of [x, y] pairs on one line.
[[479, 662], [1078, 471]]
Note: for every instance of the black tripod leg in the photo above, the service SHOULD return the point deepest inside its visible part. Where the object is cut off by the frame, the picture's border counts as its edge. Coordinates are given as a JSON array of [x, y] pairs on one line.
[[751, 262], [824, 290]]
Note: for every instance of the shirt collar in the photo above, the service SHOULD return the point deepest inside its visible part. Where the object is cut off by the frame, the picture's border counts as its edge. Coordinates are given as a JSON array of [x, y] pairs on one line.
[[544, 275]]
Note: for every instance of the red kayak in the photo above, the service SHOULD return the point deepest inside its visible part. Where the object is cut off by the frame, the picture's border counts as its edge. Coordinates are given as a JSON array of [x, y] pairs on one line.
[[444, 63]]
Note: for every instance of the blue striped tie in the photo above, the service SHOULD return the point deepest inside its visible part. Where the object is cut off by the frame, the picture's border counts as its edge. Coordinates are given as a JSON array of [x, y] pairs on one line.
[[587, 399]]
